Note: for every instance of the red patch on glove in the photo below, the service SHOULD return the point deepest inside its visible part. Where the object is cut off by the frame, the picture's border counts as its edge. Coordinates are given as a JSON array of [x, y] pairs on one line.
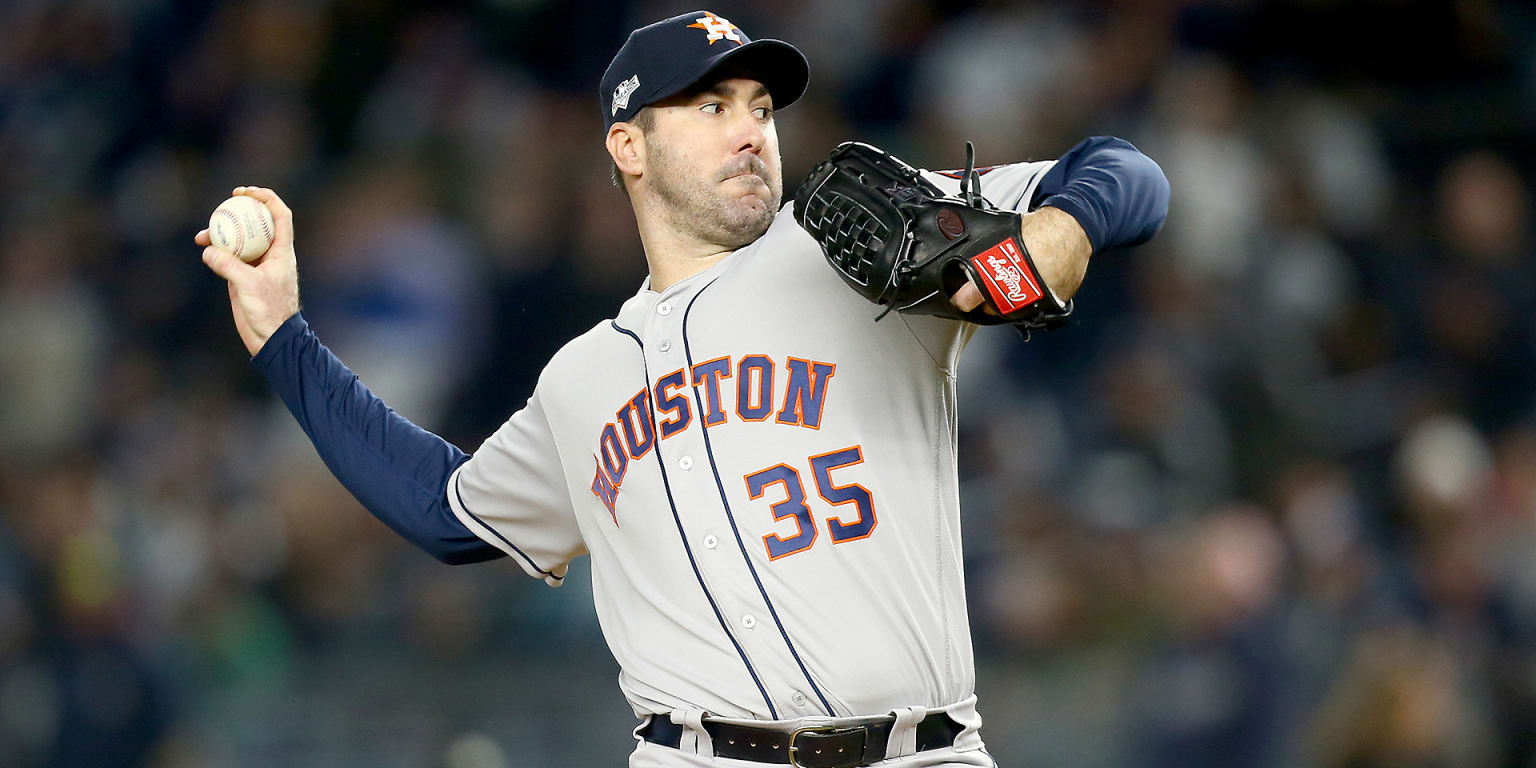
[[1006, 277]]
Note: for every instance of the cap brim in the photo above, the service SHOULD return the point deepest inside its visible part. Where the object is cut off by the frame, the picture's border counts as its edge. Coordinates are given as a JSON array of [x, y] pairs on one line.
[[779, 66]]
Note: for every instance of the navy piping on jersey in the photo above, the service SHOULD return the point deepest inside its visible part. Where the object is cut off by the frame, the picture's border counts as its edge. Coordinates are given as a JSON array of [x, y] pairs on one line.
[[708, 449], [456, 492], [681, 534]]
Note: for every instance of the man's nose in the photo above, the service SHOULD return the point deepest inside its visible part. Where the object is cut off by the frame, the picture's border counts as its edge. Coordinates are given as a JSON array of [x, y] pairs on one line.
[[749, 134]]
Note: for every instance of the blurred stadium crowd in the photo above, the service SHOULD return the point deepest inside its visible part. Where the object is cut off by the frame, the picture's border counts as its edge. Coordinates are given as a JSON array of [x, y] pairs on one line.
[[1272, 502]]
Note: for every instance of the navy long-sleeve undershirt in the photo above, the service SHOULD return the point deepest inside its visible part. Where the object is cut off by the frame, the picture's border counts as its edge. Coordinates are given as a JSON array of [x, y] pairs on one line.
[[398, 470], [1118, 195]]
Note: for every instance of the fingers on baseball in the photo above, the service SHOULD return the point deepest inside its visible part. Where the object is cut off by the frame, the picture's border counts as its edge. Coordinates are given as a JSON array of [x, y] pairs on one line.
[[282, 216], [202, 238], [225, 265]]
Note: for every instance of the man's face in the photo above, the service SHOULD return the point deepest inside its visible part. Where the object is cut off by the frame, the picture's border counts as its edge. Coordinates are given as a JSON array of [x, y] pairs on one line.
[[713, 162]]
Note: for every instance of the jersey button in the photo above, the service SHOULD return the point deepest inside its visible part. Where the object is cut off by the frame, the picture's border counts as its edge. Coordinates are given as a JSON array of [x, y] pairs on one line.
[[664, 309], [799, 699], [685, 463], [710, 542], [749, 621], [664, 345]]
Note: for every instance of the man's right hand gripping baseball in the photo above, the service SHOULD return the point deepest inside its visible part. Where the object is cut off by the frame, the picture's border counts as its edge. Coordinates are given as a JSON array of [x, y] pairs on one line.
[[264, 293]]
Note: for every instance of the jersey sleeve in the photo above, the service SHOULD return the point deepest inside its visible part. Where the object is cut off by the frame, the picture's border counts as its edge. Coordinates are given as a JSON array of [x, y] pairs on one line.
[[1010, 187], [513, 495], [395, 469]]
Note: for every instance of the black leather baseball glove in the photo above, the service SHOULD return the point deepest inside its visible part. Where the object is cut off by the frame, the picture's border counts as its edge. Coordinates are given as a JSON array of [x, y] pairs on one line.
[[899, 241]]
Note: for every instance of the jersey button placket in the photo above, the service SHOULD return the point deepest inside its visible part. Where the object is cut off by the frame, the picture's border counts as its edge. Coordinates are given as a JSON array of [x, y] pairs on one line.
[[692, 480]]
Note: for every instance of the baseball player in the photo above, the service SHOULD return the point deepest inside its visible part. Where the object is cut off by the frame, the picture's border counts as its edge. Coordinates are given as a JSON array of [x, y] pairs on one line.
[[764, 478]]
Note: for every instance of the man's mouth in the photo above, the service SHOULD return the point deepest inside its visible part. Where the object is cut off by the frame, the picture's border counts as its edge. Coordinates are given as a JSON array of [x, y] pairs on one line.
[[750, 170]]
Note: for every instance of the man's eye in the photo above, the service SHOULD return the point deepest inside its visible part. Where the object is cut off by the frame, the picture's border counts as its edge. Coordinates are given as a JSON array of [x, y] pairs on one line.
[[713, 108], [763, 113]]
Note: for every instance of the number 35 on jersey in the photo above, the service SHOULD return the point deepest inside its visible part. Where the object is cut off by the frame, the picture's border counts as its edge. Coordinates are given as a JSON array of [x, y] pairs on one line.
[[793, 506]]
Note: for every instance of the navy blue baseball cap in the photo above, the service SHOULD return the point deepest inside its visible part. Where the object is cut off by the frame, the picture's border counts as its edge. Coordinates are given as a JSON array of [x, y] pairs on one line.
[[667, 57]]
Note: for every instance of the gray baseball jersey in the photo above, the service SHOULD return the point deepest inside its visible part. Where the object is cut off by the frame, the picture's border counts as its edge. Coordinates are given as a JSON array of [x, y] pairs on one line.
[[766, 482]]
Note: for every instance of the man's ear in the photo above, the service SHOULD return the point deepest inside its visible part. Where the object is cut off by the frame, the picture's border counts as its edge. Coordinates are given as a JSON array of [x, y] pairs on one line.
[[626, 145]]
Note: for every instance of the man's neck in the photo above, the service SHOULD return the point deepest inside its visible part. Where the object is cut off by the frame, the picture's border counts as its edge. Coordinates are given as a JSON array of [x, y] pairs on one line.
[[672, 255]]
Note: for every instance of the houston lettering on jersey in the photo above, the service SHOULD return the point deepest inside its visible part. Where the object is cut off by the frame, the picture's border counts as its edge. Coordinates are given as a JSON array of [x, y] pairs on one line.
[[793, 394]]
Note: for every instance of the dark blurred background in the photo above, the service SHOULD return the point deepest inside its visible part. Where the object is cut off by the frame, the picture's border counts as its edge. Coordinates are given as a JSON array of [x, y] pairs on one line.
[[1271, 503]]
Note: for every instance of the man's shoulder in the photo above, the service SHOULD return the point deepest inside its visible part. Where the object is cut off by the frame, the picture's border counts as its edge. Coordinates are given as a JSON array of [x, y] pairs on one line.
[[784, 221], [580, 354], [786, 234]]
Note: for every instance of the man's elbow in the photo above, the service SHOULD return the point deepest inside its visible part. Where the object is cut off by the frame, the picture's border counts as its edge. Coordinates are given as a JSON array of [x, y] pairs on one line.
[[440, 534], [457, 552], [1153, 192], [1162, 193]]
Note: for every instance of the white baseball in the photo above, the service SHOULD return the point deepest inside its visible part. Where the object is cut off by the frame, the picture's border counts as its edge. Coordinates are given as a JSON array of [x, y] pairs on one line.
[[243, 226]]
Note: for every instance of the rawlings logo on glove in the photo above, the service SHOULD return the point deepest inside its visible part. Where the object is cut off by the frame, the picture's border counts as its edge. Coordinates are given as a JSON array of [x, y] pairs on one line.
[[900, 242], [1001, 264]]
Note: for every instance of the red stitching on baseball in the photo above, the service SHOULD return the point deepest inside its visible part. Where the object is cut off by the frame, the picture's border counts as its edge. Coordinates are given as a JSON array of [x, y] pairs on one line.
[[262, 220], [238, 231]]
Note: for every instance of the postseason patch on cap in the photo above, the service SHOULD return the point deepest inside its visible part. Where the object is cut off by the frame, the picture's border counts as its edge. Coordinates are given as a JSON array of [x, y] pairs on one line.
[[622, 93]]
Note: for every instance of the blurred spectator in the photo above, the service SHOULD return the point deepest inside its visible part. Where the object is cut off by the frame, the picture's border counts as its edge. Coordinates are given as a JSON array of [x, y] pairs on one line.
[[1215, 691], [1403, 700], [53, 336]]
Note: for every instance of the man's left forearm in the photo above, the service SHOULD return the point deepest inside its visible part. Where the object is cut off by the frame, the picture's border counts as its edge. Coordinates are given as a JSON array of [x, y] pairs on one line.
[[1059, 247]]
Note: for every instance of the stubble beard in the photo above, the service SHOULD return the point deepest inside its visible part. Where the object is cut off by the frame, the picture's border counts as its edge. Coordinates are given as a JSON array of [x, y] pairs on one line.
[[694, 202]]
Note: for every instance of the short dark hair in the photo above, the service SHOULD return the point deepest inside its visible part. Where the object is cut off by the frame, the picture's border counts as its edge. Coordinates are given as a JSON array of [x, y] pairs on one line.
[[645, 120]]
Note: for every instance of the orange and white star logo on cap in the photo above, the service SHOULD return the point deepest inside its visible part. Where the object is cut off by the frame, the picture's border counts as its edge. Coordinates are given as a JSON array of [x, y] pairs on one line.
[[718, 28]]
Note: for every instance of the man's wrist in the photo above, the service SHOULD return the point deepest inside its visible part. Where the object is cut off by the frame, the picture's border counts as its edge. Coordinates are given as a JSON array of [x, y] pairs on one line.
[[291, 328]]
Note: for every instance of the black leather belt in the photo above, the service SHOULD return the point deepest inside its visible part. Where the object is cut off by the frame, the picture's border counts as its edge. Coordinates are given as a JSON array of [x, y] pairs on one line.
[[810, 747]]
